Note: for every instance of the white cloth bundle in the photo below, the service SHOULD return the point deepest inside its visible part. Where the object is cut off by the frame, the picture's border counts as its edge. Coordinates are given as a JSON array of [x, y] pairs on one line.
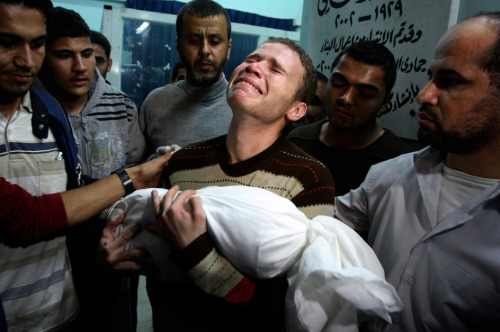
[[332, 273]]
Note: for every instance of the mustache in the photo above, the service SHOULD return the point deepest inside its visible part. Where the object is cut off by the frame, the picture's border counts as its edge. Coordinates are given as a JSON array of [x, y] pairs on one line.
[[21, 72], [429, 112], [204, 60]]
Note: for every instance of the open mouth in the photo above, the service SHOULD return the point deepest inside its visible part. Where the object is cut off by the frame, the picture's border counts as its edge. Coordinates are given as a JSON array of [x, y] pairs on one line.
[[249, 84]]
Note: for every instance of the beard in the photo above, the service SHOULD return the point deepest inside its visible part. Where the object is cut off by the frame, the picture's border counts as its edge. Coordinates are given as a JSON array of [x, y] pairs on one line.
[[478, 130], [204, 80], [13, 93], [10, 91]]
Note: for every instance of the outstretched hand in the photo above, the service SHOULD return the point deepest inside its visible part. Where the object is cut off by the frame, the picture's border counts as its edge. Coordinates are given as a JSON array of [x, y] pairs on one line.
[[147, 175], [111, 255], [181, 218]]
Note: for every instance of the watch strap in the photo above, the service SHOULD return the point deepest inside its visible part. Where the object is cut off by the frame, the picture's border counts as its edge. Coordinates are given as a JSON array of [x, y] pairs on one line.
[[126, 180]]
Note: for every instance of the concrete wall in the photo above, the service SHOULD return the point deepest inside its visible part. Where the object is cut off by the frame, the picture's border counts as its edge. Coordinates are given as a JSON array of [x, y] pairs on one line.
[[472, 7]]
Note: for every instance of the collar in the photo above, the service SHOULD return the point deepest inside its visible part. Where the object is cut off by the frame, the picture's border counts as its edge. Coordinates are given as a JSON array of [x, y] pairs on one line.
[[26, 103]]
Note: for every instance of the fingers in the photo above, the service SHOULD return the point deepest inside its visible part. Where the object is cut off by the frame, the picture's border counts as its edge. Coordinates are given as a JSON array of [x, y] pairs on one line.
[[181, 199], [169, 198], [196, 204], [115, 222], [185, 221], [111, 254], [108, 233], [156, 203]]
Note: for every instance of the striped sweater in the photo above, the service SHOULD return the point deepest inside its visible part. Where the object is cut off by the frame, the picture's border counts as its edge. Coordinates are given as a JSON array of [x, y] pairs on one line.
[[36, 285], [107, 131], [283, 169]]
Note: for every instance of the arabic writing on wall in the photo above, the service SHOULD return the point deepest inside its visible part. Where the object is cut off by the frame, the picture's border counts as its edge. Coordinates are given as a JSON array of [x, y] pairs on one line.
[[408, 28]]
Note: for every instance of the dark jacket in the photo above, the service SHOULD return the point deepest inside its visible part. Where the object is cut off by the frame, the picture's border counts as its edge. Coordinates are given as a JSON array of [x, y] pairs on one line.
[[47, 113]]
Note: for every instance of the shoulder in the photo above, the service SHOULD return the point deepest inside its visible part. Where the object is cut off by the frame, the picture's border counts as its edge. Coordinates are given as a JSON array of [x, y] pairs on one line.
[[306, 132], [163, 91], [317, 189], [200, 150], [196, 156], [389, 170], [43, 99], [161, 95], [389, 145], [293, 151]]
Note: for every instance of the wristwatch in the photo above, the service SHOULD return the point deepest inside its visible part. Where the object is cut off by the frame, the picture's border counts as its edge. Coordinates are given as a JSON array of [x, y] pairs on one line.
[[126, 180]]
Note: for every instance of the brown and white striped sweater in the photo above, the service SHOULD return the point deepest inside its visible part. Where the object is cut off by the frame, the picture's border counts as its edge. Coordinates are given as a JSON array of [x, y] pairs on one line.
[[283, 169]]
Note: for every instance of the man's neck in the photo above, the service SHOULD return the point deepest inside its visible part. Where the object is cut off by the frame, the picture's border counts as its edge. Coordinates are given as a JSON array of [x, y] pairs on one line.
[[246, 141], [9, 107], [484, 163], [74, 106], [349, 139]]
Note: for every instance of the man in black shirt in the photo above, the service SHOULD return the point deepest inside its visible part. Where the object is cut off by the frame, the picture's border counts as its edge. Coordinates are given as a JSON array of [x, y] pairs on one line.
[[350, 141]]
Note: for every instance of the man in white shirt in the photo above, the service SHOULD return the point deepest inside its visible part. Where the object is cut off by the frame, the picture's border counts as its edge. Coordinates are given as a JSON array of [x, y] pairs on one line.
[[432, 216]]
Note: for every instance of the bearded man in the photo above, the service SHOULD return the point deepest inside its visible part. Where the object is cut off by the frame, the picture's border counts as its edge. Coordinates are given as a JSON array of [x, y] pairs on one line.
[[194, 109], [432, 216]]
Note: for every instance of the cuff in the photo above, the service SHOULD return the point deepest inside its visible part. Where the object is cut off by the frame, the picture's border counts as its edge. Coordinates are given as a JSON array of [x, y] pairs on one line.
[[194, 253]]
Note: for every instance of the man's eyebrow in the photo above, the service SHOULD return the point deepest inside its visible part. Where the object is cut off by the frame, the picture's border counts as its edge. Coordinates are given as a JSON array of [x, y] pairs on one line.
[[338, 75], [272, 60], [19, 38], [63, 50], [216, 35], [445, 72], [277, 64], [200, 35], [368, 86], [372, 87], [40, 38], [10, 36], [253, 56]]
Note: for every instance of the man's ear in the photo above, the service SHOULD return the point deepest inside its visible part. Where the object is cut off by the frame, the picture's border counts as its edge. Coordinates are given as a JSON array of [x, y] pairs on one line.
[[297, 111], [229, 44], [386, 101], [110, 63]]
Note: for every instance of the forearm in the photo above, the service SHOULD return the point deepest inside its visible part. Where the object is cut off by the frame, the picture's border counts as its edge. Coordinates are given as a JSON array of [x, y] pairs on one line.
[[213, 273], [86, 202], [83, 203], [25, 218]]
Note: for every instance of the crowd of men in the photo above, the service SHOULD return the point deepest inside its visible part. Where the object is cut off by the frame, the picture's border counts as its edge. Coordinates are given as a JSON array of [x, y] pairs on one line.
[[72, 144]]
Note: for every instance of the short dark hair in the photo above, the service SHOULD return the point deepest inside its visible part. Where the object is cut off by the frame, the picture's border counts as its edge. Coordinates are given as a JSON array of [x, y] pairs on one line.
[[490, 60], [375, 54], [62, 22], [177, 66], [98, 38], [307, 89], [43, 5], [201, 8]]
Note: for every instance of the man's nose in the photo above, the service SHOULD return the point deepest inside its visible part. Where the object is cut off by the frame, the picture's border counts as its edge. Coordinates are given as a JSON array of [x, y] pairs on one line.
[[79, 64], [24, 57], [347, 97], [428, 95], [204, 48], [254, 68]]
